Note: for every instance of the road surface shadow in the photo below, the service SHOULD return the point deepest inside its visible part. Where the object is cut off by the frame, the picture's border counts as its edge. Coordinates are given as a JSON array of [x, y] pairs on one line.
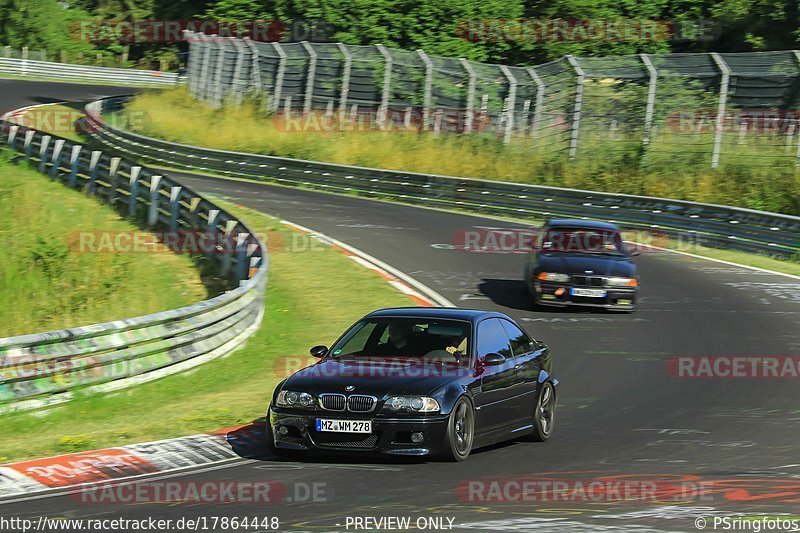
[[513, 294]]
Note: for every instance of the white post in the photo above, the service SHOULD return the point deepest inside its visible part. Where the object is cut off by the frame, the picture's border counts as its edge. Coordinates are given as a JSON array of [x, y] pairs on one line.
[[387, 85], [576, 112], [348, 65], [426, 105], [310, 75], [651, 99], [512, 103], [278, 87], [470, 116], [537, 110], [724, 84]]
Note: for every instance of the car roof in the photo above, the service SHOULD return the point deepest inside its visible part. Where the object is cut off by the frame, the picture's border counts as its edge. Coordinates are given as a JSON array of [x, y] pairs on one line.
[[580, 223], [453, 313]]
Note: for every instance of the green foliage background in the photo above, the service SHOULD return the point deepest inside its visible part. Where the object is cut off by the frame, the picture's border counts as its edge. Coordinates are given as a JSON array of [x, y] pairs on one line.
[[738, 25]]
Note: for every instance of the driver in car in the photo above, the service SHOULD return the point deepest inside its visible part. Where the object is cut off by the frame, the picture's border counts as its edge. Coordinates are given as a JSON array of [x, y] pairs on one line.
[[398, 343]]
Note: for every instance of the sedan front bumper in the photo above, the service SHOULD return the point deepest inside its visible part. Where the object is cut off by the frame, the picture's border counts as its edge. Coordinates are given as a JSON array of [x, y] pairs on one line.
[[559, 294], [390, 434]]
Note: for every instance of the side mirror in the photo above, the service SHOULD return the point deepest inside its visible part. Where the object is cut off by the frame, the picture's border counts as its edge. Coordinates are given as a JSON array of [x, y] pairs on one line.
[[492, 359], [319, 351]]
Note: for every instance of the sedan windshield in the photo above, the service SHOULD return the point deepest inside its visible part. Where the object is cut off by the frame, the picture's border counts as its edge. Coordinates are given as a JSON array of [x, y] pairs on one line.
[[424, 339], [583, 240]]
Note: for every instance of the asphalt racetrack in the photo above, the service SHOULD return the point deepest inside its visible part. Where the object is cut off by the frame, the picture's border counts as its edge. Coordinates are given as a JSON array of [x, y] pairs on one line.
[[710, 446]]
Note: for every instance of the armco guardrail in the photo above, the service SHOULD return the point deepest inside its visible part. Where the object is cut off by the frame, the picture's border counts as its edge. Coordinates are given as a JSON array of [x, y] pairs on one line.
[[706, 224], [85, 73], [35, 368]]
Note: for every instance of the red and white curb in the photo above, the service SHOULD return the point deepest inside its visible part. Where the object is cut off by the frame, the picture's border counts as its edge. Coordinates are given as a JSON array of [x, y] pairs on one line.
[[421, 294]]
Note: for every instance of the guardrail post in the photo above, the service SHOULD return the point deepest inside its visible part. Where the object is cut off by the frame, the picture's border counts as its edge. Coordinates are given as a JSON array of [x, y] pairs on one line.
[[113, 179], [255, 68], [724, 84], [796, 54], [174, 207], [345, 90], [428, 87], [387, 85], [55, 159], [576, 111], [537, 110], [278, 88], [651, 99], [45, 144], [28, 146], [93, 164], [310, 75], [192, 63], [512, 103], [152, 211], [194, 220], [133, 185], [241, 256], [237, 86], [211, 228], [471, 84], [12, 135], [74, 163], [227, 253]]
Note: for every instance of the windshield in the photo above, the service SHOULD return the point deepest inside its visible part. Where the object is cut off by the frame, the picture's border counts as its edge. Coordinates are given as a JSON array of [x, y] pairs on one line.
[[583, 240], [424, 339]]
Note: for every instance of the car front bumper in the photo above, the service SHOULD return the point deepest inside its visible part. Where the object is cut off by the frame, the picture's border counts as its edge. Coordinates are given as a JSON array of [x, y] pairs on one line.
[[558, 294], [390, 434]]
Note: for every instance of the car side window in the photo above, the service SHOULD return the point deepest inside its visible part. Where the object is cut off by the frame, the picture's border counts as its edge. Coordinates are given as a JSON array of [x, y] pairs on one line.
[[492, 338], [520, 341]]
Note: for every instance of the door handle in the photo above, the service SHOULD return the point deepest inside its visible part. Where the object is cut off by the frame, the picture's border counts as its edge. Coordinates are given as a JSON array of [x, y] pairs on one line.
[[517, 368]]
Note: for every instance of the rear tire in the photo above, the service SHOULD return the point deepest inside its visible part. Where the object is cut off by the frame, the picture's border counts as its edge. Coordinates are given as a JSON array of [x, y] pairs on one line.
[[460, 431], [544, 412]]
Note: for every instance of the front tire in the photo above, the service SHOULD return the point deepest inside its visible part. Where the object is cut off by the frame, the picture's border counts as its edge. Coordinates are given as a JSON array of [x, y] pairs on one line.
[[460, 431], [544, 412]]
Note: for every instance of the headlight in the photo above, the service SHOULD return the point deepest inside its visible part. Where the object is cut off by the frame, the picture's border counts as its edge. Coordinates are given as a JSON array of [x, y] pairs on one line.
[[621, 282], [553, 276], [294, 399], [417, 404]]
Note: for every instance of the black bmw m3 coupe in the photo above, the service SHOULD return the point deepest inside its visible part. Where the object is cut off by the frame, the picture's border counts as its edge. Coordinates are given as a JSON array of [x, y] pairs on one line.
[[420, 382]]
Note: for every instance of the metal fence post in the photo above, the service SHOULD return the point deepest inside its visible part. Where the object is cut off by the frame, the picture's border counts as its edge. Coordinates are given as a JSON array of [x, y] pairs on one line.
[[218, 83], [227, 253], [152, 212], [537, 110], [174, 207], [192, 63], [237, 86], [278, 88], [204, 82], [724, 84], [133, 185], [345, 90], [43, 146], [94, 161], [471, 83], [241, 256], [255, 68], [796, 54], [28, 143], [512, 102], [651, 99], [211, 228], [383, 112], [426, 102], [56, 157], [74, 163], [12, 135], [113, 178], [576, 112], [311, 73]]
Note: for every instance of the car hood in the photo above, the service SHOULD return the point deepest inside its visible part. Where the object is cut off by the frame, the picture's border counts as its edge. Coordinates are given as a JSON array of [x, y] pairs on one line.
[[578, 264], [374, 376]]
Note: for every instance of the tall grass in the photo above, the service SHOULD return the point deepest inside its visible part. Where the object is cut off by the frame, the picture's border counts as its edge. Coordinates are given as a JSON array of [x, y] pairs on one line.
[[46, 282], [602, 165]]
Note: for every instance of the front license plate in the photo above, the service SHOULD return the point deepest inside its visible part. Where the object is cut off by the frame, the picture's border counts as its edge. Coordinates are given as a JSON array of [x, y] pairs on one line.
[[344, 426], [589, 293]]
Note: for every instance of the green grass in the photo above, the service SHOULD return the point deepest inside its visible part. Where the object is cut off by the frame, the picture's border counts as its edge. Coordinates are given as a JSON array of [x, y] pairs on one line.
[[46, 282], [313, 294], [603, 165]]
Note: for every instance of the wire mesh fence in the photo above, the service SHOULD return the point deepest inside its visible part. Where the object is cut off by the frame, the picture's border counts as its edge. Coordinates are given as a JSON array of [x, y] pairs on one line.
[[705, 109]]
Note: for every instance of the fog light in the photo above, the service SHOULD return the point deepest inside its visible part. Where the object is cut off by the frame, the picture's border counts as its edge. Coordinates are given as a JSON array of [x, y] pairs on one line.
[[416, 437], [283, 431]]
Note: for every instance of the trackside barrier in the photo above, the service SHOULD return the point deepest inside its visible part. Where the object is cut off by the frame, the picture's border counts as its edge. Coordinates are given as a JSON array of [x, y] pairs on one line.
[[85, 73], [41, 369], [695, 223]]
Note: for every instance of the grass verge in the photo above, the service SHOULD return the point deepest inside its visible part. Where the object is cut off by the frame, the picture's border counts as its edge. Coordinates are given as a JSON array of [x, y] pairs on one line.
[[616, 166], [314, 293], [52, 284]]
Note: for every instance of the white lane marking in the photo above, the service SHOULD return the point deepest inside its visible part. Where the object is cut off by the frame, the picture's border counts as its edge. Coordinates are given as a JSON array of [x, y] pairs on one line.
[[424, 289]]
